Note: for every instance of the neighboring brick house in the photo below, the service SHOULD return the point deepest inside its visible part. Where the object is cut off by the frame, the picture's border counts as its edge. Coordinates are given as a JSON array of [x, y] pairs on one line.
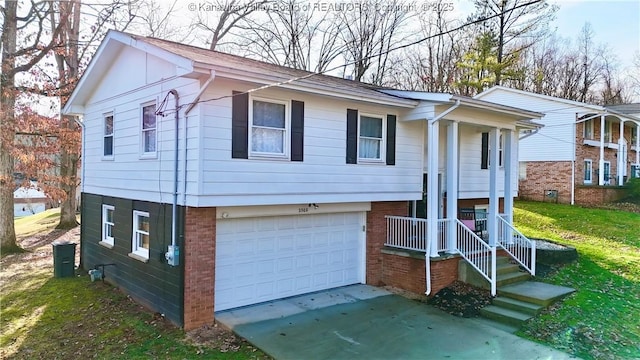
[[571, 159], [213, 181]]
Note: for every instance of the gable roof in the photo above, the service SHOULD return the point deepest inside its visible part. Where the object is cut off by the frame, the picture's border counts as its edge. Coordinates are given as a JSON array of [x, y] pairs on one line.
[[604, 110], [633, 108], [192, 61]]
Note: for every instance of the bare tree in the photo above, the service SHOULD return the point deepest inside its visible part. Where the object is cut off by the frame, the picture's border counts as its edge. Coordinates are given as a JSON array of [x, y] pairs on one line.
[[34, 48], [592, 62], [370, 31]]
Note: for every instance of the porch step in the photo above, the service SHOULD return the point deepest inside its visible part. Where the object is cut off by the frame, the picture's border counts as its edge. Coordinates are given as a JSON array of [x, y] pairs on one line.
[[505, 316], [517, 305], [535, 292], [506, 268], [511, 278]]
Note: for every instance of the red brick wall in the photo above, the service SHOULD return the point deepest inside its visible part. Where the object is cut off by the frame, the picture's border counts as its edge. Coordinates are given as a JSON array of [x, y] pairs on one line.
[[546, 175], [199, 266], [408, 273], [596, 195], [376, 236]]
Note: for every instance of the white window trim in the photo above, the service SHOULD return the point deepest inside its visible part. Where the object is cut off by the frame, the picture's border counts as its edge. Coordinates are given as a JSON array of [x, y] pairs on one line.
[[135, 250], [286, 146], [104, 136], [606, 162], [590, 181], [149, 154], [588, 124], [608, 125], [106, 240], [383, 142]]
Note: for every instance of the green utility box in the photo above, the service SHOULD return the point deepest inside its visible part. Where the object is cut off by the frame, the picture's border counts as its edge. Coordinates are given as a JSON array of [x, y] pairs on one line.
[[64, 256]]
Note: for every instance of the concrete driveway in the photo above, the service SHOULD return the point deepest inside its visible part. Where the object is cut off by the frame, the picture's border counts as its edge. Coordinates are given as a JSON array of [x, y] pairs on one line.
[[364, 322]]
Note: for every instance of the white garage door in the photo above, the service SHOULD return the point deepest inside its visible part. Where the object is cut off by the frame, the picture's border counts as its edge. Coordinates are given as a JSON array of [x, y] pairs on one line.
[[266, 258]]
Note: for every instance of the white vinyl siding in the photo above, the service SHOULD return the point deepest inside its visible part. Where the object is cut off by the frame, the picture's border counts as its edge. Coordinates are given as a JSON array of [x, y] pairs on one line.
[[554, 141]]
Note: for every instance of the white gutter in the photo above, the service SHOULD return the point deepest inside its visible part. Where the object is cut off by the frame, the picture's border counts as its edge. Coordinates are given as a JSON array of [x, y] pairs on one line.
[[212, 76], [445, 113]]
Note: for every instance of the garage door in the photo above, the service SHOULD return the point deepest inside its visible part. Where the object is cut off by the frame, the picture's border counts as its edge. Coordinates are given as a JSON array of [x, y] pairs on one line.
[[267, 258]]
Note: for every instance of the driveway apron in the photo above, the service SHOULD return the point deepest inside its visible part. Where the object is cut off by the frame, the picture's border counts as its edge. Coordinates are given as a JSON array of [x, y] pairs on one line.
[[341, 324]]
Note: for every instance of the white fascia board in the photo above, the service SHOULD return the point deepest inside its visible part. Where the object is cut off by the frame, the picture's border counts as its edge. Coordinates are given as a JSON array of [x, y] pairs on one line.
[[419, 95], [573, 103], [310, 87]]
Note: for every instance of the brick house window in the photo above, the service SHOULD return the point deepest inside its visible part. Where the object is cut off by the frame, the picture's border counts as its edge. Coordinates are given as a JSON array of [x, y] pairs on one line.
[[588, 129], [588, 171], [634, 135]]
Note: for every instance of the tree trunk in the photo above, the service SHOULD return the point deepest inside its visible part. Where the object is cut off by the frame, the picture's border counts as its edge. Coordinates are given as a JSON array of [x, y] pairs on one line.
[[69, 178], [7, 127]]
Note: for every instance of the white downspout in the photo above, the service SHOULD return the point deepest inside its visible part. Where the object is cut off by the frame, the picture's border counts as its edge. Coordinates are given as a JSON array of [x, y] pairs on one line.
[[432, 189], [573, 164]]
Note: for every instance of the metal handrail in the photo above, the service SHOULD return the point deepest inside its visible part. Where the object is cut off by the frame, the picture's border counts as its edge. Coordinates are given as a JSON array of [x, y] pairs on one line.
[[478, 253], [518, 246]]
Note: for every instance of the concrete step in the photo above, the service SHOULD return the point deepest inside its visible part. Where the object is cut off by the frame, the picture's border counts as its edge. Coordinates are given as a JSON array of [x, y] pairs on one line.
[[505, 316], [511, 278], [534, 292], [506, 268], [517, 305]]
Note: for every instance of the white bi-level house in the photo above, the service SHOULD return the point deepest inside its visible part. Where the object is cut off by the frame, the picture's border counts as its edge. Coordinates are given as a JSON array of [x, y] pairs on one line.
[[212, 181]]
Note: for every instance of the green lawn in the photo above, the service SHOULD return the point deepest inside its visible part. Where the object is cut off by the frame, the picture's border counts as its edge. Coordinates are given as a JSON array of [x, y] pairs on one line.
[[602, 319], [73, 318]]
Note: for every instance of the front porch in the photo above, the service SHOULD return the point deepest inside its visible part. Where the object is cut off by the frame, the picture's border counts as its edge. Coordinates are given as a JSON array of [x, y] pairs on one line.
[[453, 237]]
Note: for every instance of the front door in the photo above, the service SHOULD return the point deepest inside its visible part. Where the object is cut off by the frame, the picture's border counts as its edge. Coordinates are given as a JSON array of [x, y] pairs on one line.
[[421, 205]]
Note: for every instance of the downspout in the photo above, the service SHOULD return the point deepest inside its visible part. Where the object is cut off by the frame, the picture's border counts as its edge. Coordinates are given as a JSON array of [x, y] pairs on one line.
[[431, 222], [573, 164], [172, 254]]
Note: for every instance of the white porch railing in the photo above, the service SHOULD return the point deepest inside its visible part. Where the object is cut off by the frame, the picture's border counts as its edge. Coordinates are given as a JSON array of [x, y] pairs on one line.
[[478, 253], [517, 245], [406, 233]]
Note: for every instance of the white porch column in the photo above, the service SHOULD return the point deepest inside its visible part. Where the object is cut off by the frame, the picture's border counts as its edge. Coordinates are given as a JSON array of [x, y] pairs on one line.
[[622, 162], [601, 160], [508, 173], [432, 186], [452, 185], [494, 199]]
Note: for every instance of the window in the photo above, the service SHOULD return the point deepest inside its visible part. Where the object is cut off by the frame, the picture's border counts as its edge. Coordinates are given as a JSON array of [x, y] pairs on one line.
[[588, 129], [149, 127], [607, 172], [485, 161], [607, 131], [634, 135], [107, 224], [140, 244], [522, 170], [269, 128], [588, 171], [370, 138], [108, 136]]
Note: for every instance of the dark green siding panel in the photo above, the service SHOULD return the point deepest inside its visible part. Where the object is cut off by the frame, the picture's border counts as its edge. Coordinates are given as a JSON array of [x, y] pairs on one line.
[[155, 283]]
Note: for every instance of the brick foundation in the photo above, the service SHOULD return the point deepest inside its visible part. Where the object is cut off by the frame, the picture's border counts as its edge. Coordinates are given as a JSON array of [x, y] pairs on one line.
[[596, 195], [377, 234], [199, 267], [406, 270]]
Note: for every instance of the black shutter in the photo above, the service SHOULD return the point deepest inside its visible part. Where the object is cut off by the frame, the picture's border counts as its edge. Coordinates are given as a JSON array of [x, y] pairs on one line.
[[352, 136], [297, 130], [240, 125], [484, 164], [391, 139]]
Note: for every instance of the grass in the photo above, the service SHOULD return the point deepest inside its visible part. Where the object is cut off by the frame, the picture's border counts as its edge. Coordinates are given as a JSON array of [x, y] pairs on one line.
[[601, 320], [55, 318]]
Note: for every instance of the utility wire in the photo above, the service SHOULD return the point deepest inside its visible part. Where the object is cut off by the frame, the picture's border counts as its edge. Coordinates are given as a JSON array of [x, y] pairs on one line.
[[399, 47]]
